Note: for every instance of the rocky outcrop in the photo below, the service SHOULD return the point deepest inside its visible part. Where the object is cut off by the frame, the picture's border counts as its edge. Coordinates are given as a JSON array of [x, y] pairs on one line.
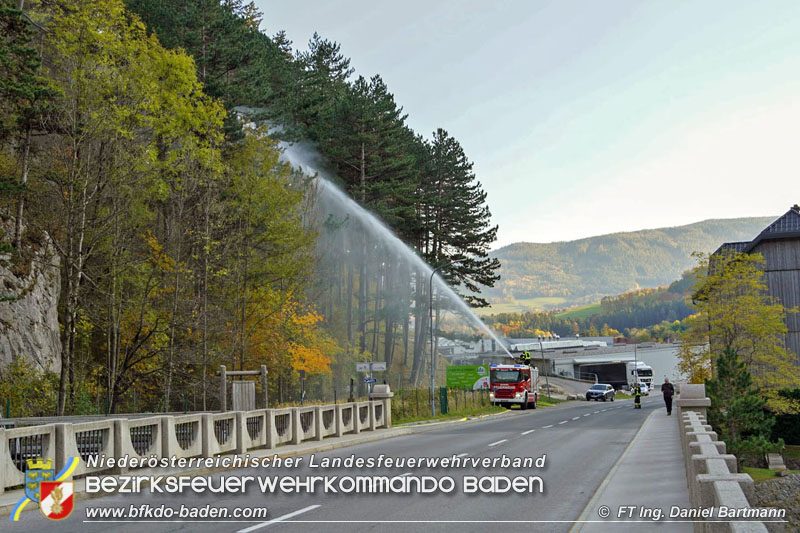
[[783, 493], [29, 308]]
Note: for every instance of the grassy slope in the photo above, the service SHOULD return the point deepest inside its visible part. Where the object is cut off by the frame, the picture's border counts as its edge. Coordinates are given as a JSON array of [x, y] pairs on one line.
[[521, 306], [582, 312]]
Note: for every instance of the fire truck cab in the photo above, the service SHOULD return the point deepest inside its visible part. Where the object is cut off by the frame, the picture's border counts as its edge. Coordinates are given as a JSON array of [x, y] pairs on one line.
[[514, 384]]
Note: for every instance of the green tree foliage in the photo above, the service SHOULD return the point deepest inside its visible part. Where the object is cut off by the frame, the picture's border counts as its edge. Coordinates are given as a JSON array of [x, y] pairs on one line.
[[223, 38], [183, 242], [457, 220], [26, 391], [735, 313], [177, 243], [24, 98], [20, 83], [738, 409]]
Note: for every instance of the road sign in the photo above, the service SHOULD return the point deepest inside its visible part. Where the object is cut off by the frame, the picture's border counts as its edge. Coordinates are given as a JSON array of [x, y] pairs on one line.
[[376, 367], [370, 380]]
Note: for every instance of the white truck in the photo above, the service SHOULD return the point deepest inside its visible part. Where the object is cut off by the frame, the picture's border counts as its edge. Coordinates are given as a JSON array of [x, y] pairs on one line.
[[638, 371]]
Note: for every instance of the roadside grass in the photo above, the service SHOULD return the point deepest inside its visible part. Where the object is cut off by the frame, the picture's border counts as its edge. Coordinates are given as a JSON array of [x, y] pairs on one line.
[[544, 401], [549, 401], [762, 474]]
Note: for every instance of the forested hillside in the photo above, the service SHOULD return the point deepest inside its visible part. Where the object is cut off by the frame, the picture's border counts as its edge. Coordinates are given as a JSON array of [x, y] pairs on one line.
[[644, 314], [585, 270], [183, 242]]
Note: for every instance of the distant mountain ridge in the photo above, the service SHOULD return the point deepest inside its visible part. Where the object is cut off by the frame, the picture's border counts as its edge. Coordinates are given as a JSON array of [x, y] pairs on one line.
[[567, 273]]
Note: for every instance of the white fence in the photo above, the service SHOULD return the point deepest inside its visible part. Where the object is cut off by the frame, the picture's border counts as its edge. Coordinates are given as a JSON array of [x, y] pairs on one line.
[[191, 435]]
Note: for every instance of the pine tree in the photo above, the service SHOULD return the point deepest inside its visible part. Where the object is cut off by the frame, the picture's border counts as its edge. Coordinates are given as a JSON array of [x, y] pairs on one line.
[[24, 95], [457, 219], [738, 409], [321, 83]]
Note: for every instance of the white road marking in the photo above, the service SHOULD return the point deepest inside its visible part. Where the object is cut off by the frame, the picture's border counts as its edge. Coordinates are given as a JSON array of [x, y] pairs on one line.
[[462, 454], [563, 422], [588, 414], [529, 431], [498, 442], [279, 519], [406, 474], [545, 427], [595, 412], [576, 418]]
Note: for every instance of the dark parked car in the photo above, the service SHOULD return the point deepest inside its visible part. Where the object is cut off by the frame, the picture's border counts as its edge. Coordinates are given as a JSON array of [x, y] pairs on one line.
[[600, 392]]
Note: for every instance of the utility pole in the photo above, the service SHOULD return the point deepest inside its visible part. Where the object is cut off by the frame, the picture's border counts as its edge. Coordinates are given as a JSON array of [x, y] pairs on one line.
[[544, 369], [433, 355], [430, 325]]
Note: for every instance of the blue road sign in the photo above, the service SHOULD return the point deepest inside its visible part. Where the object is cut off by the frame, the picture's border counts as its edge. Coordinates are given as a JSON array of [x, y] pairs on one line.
[[370, 380]]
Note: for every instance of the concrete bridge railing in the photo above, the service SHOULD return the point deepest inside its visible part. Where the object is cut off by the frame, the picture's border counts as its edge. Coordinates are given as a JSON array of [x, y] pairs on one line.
[[191, 435], [712, 474]]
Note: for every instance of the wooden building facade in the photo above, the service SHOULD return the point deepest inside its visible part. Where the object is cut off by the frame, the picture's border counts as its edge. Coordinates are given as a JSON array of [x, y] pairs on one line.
[[779, 244]]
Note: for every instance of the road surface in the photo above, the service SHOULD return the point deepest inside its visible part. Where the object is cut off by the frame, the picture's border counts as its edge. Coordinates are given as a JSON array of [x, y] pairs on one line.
[[581, 440]]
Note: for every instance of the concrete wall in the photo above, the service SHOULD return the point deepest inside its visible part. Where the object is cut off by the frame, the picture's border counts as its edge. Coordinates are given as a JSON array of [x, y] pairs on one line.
[[711, 473], [193, 435]]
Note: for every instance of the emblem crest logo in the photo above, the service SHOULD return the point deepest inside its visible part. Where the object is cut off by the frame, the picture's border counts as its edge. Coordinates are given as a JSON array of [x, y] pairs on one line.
[[57, 501], [37, 472]]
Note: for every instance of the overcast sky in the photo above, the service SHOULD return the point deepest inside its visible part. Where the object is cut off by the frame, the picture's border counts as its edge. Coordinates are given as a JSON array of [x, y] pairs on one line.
[[589, 117]]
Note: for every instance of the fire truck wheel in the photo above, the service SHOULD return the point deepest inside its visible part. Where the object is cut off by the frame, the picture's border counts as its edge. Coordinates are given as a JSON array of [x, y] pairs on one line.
[[524, 404]]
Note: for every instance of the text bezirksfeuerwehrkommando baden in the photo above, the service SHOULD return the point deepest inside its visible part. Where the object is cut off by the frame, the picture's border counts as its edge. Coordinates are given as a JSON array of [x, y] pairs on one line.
[[351, 461], [178, 482], [329, 484]]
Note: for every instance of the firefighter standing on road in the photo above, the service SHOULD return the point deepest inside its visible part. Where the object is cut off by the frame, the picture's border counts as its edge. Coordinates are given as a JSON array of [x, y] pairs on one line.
[[637, 396]]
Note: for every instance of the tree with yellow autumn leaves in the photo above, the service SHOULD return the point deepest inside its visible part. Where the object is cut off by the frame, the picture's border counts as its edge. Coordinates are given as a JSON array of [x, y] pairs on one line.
[[735, 314]]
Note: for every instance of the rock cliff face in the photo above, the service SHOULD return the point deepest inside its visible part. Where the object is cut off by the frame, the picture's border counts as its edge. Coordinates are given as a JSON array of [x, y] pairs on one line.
[[29, 310]]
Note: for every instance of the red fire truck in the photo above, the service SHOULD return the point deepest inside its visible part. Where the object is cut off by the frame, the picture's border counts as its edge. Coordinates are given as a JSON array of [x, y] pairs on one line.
[[514, 384]]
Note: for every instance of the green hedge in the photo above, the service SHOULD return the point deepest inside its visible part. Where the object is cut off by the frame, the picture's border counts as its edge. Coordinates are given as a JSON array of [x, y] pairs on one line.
[[787, 426]]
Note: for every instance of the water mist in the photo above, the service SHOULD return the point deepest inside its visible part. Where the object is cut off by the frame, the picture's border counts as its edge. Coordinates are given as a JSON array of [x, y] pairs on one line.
[[332, 199]]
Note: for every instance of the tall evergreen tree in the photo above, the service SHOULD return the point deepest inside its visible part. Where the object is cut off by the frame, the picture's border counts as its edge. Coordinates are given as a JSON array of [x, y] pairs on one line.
[[458, 219], [738, 410], [24, 96]]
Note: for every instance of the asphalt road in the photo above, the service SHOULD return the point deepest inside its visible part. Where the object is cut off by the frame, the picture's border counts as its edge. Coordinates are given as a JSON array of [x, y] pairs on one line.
[[581, 440]]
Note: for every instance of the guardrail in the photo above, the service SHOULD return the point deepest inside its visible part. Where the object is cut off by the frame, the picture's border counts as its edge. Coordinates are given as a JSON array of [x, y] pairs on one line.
[[712, 474], [191, 435]]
